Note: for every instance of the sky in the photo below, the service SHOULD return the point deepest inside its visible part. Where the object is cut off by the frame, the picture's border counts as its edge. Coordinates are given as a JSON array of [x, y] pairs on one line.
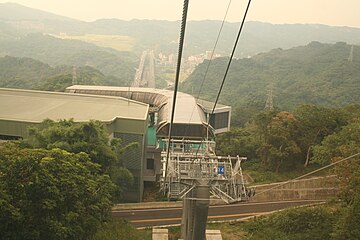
[[328, 12]]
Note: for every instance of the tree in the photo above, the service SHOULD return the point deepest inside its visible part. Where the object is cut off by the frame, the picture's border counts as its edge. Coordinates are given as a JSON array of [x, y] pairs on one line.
[[91, 138], [278, 145], [333, 148], [313, 124], [348, 225], [238, 141], [51, 194], [339, 145], [316, 74]]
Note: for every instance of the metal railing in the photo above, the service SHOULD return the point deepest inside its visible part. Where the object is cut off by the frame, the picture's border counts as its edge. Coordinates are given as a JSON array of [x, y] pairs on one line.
[[194, 161]]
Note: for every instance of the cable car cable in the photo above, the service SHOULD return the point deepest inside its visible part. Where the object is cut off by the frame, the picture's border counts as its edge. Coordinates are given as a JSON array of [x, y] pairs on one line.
[[229, 63], [181, 45]]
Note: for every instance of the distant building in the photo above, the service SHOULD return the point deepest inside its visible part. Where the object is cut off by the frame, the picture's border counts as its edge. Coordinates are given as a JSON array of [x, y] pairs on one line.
[[208, 55]]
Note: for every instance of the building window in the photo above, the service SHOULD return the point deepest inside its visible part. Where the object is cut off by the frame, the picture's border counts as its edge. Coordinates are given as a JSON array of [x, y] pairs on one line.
[[150, 164], [219, 120], [8, 137]]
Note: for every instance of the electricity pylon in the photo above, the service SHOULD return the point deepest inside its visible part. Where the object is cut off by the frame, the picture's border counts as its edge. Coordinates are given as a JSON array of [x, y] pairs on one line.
[[269, 104]]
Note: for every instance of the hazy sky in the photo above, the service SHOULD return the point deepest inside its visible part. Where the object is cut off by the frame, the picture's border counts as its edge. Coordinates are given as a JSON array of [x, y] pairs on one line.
[[330, 12]]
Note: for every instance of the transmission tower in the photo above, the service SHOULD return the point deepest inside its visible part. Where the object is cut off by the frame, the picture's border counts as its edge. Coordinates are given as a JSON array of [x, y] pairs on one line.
[[269, 105], [350, 59], [74, 79]]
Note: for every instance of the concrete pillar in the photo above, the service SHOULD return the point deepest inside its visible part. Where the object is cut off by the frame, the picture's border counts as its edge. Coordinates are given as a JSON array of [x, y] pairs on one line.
[[213, 235], [160, 234], [195, 213]]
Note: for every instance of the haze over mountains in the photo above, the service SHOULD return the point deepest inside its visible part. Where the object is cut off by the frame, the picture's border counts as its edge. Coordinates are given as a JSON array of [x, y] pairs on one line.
[[17, 20], [107, 52]]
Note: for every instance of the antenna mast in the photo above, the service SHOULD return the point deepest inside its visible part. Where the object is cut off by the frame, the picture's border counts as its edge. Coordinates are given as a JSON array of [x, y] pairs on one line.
[[350, 59], [74, 78]]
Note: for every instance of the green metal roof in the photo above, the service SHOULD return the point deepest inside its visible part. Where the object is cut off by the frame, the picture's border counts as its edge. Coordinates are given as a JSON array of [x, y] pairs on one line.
[[35, 106]]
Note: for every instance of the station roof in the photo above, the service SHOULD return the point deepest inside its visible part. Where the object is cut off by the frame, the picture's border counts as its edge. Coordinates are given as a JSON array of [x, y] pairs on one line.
[[208, 106], [187, 110], [35, 106], [189, 118]]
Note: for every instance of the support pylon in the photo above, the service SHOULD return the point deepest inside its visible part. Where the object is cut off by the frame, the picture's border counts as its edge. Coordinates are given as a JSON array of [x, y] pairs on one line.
[[269, 105], [350, 59], [74, 78]]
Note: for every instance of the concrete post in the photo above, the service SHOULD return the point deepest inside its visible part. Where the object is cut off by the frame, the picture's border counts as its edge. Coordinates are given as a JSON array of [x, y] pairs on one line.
[[195, 213]]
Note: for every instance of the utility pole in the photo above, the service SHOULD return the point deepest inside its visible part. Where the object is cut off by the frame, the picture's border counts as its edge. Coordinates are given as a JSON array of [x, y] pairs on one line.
[[350, 59], [74, 78]]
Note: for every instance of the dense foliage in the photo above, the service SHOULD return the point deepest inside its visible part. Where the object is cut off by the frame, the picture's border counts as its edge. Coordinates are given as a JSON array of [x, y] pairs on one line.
[[59, 184], [51, 194], [340, 144], [302, 223], [284, 141], [90, 138], [335, 147], [338, 222], [119, 230], [318, 74]]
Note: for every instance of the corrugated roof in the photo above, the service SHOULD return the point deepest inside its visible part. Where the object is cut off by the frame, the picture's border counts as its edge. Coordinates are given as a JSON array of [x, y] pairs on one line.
[[187, 110], [189, 118], [35, 106]]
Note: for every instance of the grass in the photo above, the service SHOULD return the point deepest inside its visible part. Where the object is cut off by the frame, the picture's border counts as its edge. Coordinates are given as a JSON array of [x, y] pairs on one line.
[[291, 223], [118, 229], [261, 176]]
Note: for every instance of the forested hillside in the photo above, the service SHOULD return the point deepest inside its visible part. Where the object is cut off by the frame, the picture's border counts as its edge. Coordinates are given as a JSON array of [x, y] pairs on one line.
[[28, 73], [319, 74], [56, 52]]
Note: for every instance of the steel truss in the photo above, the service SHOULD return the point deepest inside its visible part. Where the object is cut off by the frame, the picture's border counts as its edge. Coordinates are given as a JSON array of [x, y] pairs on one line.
[[193, 162]]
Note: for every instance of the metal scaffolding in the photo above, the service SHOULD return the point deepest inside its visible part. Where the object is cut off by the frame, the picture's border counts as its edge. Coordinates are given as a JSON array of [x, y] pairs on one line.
[[195, 174]]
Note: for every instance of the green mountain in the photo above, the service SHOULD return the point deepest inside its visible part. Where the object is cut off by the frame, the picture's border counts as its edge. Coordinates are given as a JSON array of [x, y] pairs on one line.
[[17, 12], [27, 73], [320, 74], [163, 35], [56, 52]]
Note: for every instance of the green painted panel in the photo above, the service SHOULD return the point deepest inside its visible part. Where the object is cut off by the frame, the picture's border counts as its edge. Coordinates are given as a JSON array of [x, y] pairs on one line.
[[151, 136]]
